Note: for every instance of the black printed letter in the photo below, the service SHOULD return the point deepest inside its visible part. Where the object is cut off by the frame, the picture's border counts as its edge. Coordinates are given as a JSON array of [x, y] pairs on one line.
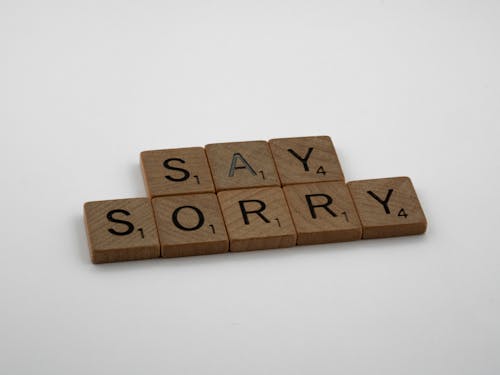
[[382, 202], [312, 206], [201, 218], [304, 159], [184, 172], [130, 226], [258, 211]]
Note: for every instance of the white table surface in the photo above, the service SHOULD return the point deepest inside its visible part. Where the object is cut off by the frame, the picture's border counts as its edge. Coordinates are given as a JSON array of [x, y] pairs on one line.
[[403, 88]]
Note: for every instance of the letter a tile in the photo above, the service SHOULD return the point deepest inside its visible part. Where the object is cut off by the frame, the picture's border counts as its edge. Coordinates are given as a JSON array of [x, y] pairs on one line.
[[323, 212], [306, 159], [388, 207], [242, 165], [257, 219], [190, 225]]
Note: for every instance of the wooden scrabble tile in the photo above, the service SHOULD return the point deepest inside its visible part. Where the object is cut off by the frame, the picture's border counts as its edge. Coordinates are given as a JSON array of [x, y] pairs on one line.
[[122, 229], [257, 219], [388, 207], [306, 159], [242, 165], [190, 225], [176, 171], [323, 212]]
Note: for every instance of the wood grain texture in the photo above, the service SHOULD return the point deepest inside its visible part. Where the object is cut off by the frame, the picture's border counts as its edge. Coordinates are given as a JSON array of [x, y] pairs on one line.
[[190, 225], [257, 219], [323, 212], [241, 165], [122, 229], [176, 171], [388, 207], [306, 159]]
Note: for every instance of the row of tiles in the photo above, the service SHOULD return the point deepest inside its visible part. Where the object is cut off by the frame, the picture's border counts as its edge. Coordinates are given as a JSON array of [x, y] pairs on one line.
[[252, 219], [238, 165]]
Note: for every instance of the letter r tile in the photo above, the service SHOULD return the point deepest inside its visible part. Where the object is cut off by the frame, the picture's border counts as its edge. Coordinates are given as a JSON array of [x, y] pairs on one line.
[[240, 165], [306, 159], [388, 207], [257, 219], [190, 225], [176, 171], [323, 212]]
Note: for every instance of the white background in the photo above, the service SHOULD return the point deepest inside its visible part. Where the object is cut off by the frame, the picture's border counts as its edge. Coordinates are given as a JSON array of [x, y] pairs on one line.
[[403, 88]]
